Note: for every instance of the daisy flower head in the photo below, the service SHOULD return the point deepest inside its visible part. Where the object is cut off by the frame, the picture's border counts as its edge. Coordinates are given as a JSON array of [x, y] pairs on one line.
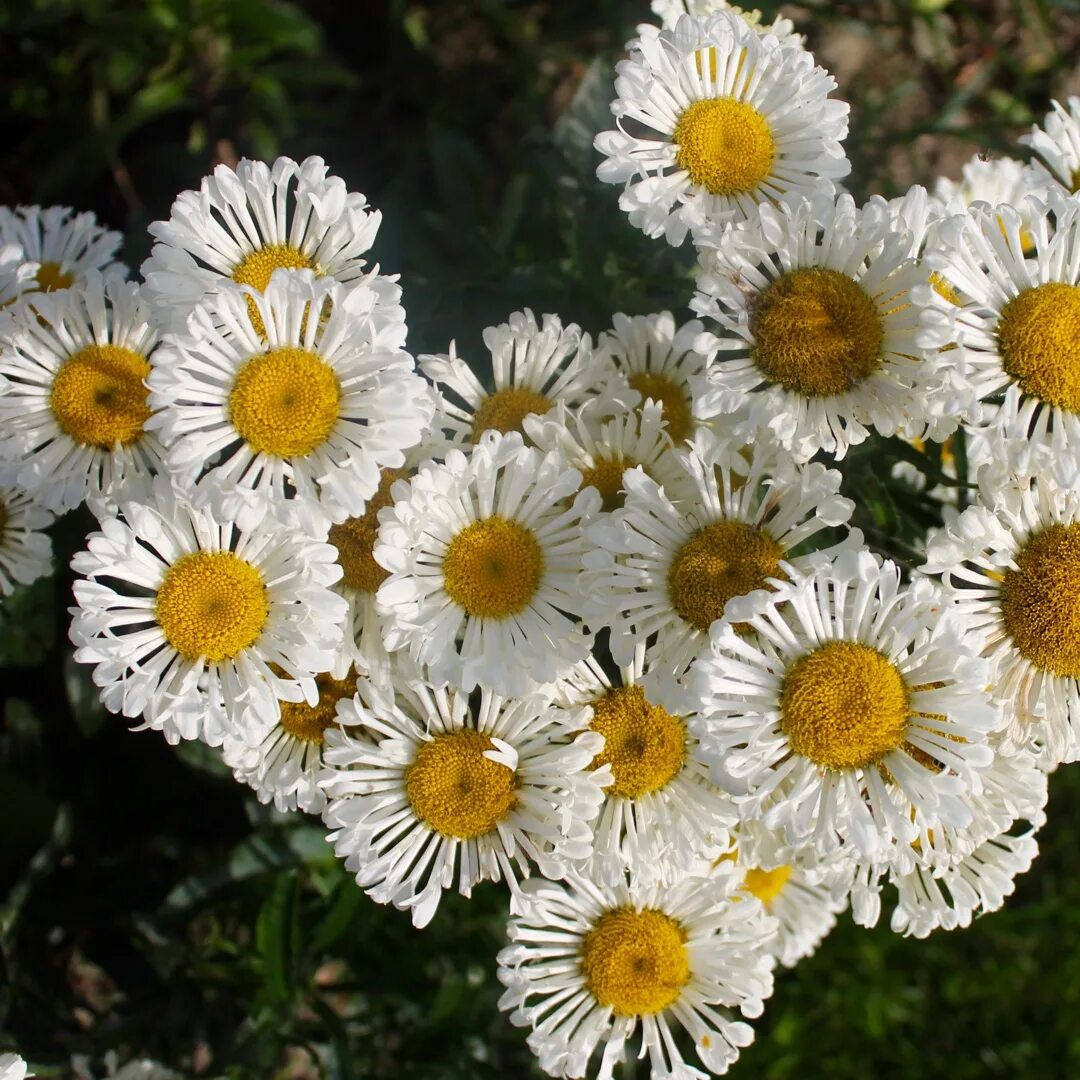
[[1057, 143], [64, 247], [285, 764], [243, 224], [201, 626], [995, 181], [671, 11], [661, 815], [854, 711], [818, 304], [587, 965], [658, 359], [25, 547], [534, 365], [311, 405], [663, 570], [442, 784], [715, 118], [1011, 564], [74, 406], [484, 554], [12, 1067], [1019, 274]]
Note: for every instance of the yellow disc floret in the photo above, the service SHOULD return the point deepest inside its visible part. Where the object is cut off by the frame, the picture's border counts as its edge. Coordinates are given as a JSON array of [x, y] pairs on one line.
[[766, 885], [725, 145], [457, 791], [51, 276], [493, 568], [675, 405], [606, 474], [285, 402], [355, 539], [644, 744], [844, 706], [816, 331], [308, 723], [256, 269], [505, 410], [1039, 337], [635, 962], [211, 604], [99, 398], [721, 560], [1040, 600]]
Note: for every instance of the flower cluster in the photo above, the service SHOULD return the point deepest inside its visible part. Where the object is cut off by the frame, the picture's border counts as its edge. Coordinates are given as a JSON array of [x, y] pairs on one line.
[[597, 628]]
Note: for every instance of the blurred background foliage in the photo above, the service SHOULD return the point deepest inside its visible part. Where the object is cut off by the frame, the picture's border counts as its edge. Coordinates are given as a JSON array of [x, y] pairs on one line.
[[148, 904]]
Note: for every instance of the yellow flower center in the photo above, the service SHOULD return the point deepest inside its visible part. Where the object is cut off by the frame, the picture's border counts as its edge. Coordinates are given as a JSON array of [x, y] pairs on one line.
[[493, 568], [355, 539], [766, 885], [1039, 337], [285, 402], [506, 409], [817, 332], [256, 269], [99, 398], [636, 962], [725, 145], [606, 476], [457, 791], [309, 723], [644, 744], [1040, 601], [844, 706], [211, 604], [675, 405], [51, 277], [721, 560]]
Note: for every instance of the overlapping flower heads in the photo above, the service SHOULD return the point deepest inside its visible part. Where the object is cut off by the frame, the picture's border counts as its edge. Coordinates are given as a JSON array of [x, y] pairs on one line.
[[597, 628]]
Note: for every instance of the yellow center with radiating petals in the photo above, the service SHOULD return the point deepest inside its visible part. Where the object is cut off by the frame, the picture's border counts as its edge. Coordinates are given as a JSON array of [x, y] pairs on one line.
[[844, 706], [635, 962], [816, 331], [355, 539], [724, 144], [99, 398], [644, 744], [675, 405], [309, 723], [285, 402], [457, 791], [1040, 600], [51, 276], [505, 410], [493, 568], [606, 475], [721, 560], [1039, 338], [257, 268], [211, 604], [766, 885]]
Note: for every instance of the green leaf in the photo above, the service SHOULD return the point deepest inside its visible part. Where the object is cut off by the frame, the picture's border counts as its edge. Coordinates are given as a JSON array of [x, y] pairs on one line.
[[277, 937]]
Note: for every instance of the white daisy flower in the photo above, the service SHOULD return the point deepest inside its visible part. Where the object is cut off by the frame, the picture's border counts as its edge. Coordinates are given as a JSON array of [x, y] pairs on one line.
[[1016, 326], [286, 763], [186, 618], [1057, 142], [16, 274], [314, 404], [995, 181], [436, 787], [671, 11], [1011, 564], [658, 359], [534, 366], [74, 405], [587, 965], [243, 225], [853, 713], [64, 246], [819, 305], [484, 555], [728, 119], [661, 814], [25, 548], [12, 1067], [664, 570]]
